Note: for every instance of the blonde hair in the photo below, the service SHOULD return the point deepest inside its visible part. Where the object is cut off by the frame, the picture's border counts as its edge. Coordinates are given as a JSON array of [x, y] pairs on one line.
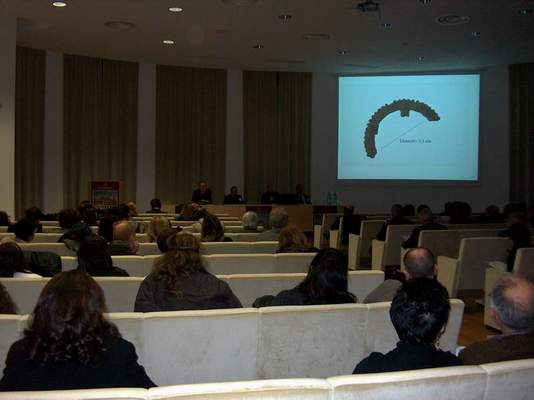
[[182, 258], [157, 225], [133, 209], [291, 236]]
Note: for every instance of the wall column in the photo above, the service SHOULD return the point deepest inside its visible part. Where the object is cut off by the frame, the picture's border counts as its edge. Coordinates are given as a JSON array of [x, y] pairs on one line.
[[234, 132]]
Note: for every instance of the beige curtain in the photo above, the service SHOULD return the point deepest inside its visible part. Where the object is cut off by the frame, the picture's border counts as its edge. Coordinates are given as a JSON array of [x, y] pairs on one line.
[[190, 131], [522, 132], [29, 128], [277, 127], [100, 125]]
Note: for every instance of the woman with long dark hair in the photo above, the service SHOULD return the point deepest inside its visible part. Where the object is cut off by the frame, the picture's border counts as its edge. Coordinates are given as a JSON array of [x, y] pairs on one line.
[[326, 283], [70, 345], [179, 281]]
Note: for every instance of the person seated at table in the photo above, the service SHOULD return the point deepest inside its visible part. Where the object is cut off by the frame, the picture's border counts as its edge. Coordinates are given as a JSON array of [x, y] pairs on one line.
[[326, 283], [270, 196], [234, 197], [202, 195], [95, 259], [212, 230], [419, 313], [292, 240], [179, 281], [69, 344], [250, 221]]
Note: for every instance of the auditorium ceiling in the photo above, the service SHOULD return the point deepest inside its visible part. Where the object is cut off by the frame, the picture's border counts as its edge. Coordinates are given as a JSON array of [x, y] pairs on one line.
[[340, 36]]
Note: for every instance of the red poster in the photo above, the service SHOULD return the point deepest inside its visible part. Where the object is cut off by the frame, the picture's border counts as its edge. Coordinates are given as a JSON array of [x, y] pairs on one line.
[[105, 194]]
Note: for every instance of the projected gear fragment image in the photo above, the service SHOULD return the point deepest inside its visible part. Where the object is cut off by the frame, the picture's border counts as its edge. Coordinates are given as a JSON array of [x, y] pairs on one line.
[[404, 106]]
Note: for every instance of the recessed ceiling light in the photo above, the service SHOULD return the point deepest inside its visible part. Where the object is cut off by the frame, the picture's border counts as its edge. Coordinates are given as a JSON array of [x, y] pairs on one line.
[[386, 25], [452, 19], [526, 11], [258, 46], [475, 34], [59, 4], [424, 2], [285, 17], [176, 9], [168, 41], [342, 52]]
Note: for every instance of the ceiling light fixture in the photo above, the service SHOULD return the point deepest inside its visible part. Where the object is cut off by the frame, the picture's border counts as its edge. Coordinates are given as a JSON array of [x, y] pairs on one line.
[[475, 34], [59, 4], [526, 11], [176, 9], [168, 42], [424, 2], [386, 25], [258, 46], [452, 19], [342, 52], [420, 58], [285, 17]]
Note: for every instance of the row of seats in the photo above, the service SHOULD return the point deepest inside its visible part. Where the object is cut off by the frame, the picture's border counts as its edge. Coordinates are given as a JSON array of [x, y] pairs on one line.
[[120, 292], [243, 344], [152, 248], [504, 380]]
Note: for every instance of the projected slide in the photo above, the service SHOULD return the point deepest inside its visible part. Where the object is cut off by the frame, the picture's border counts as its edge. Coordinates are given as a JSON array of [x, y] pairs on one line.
[[408, 127]]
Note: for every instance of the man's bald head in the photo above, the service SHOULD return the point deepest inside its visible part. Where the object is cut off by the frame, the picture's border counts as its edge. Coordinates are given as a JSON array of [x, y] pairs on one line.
[[513, 302], [420, 263], [122, 231]]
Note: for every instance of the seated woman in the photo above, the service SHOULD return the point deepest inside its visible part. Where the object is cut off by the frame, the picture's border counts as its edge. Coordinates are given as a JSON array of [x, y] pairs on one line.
[[157, 225], [292, 240], [70, 345], [24, 230], [212, 230], [179, 282], [419, 312], [6, 304], [13, 263], [326, 283], [95, 259]]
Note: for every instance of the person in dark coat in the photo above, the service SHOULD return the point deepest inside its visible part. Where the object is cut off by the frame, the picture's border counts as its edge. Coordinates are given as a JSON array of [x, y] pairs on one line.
[[397, 218], [234, 197], [351, 224], [70, 345], [95, 259], [419, 312], [427, 224], [326, 283], [180, 282], [202, 195]]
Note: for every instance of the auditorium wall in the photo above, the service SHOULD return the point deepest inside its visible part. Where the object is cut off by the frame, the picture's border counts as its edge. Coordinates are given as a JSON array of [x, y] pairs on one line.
[[493, 184]]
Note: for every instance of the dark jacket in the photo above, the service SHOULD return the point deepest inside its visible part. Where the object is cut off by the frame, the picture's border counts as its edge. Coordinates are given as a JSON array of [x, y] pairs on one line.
[[381, 235], [201, 198], [198, 291], [117, 367], [414, 237], [231, 199], [300, 297], [270, 197], [407, 357], [107, 271], [519, 234], [351, 224], [517, 346]]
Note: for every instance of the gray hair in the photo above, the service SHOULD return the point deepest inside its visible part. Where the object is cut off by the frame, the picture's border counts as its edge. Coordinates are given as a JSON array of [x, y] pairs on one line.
[[250, 220], [513, 301], [278, 218]]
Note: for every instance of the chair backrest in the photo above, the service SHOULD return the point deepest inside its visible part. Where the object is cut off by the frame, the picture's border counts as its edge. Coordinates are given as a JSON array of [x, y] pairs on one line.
[[395, 236], [475, 253], [368, 231], [317, 236], [447, 242], [146, 249], [509, 380], [228, 264], [38, 237], [58, 248], [524, 261], [208, 248]]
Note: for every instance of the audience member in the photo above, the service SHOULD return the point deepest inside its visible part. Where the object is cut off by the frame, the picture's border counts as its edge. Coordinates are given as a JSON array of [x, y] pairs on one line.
[[270, 196], [132, 209], [124, 242], [512, 308], [212, 230], [75, 231], [234, 197], [164, 236], [408, 210], [326, 283], [4, 220], [95, 259], [105, 227], [419, 313], [67, 218], [35, 215], [397, 218], [419, 263], [157, 225], [13, 262], [426, 219], [24, 230], [292, 240], [202, 195], [70, 345], [6, 304], [278, 219], [250, 221], [518, 233], [300, 196], [461, 213], [191, 212], [491, 215], [155, 207], [351, 224], [180, 282]]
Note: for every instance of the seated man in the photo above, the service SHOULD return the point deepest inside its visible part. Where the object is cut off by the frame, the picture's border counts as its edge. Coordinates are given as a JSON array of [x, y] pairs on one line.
[[419, 263], [24, 230], [278, 219], [397, 218], [234, 197], [351, 224], [426, 220], [300, 196], [512, 308], [124, 241], [270, 196], [155, 207], [202, 195], [419, 312]]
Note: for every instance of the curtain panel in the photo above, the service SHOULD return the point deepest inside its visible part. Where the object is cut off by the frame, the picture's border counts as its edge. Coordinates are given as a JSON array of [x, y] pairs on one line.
[[29, 128], [190, 131], [522, 132], [277, 130], [100, 125]]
